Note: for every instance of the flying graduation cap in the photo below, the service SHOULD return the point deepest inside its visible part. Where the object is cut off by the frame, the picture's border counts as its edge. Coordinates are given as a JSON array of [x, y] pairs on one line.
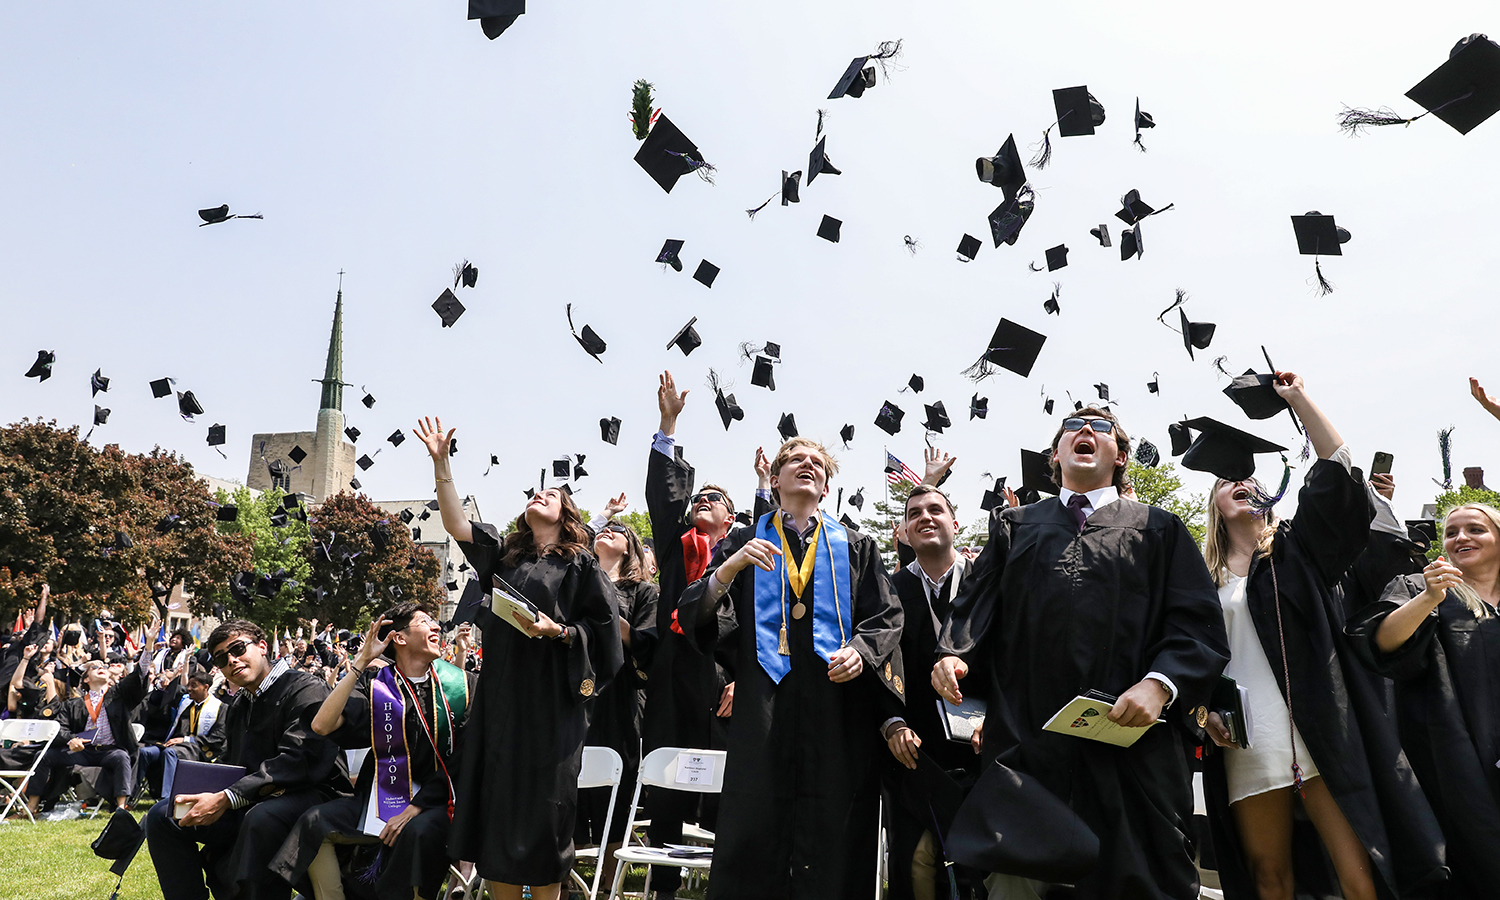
[[857, 77], [915, 384], [818, 162], [1012, 346], [705, 274], [1146, 454], [1057, 257], [1036, 472], [215, 435], [369, 400], [1078, 113], [1007, 219], [1224, 451], [447, 307], [968, 248], [889, 418], [98, 382], [221, 214], [590, 341], [828, 230], [609, 430], [670, 254], [846, 434], [979, 407], [937, 417], [298, 454], [496, 15], [667, 155], [1050, 305], [1319, 235], [352, 434], [465, 273], [42, 368], [857, 499], [188, 405], [1131, 244], [763, 375], [687, 339], [787, 427], [1101, 234], [1195, 334], [1142, 120], [1256, 395], [729, 410], [397, 437], [1004, 170], [1464, 91]]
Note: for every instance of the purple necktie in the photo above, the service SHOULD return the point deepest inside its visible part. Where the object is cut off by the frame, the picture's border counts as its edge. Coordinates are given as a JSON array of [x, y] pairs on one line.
[[1076, 503]]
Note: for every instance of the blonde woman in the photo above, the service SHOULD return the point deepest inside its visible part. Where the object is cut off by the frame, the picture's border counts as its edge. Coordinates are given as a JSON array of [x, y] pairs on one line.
[[1438, 636], [1278, 585]]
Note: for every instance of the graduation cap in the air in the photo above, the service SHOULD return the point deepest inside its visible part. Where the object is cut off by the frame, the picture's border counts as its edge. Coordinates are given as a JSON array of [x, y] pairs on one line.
[[889, 418], [1318, 235], [42, 368], [119, 842], [1195, 334], [161, 387], [591, 343], [1012, 346], [828, 229], [98, 382], [1131, 244], [101, 415], [354, 483], [562, 467], [578, 471], [915, 384], [397, 438], [1004, 170], [937, 417], [352, 434], [1143, 120], [188, 405], [1146, 454], [227, 512], [1007, 219], [1047, 405], [854, 80], [706, 273], [1057, 257], [1078, 113], [221, 214], [763, 375], [1101, 233], [1154, 385], [368, 401], [1255, 395], [787, 427], [846, 434], [1422, 531], [469, 603], [857, 499], [406, 516], [848, 523], [1133, 209], [167, 523], [364, 463], [818, 162], [1180, 437], [447, 307], [979, 407], [609, 430], [298, 454], [993, 497], [1036, 472], [968, 248], [686, 339], [729, 410], [466, 274], [1050, 305], [1224, 451], [496, 15], [1464, 91], [666, 154], [278, 518], [1103, 390], [670, 254]]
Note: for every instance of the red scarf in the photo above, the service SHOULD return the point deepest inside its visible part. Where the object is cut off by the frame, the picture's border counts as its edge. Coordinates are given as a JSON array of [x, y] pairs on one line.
[[695, 557]]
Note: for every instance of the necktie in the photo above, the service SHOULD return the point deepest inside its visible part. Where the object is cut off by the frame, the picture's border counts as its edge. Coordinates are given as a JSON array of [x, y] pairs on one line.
[[193, 719], [1076, 503]]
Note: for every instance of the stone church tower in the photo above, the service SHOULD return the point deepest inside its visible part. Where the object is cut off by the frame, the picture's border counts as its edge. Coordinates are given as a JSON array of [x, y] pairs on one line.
[[318, 463]]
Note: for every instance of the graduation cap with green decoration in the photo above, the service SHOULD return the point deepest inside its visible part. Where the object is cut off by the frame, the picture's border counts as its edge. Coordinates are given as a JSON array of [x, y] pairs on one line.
[[643, 111], [1464, 91]]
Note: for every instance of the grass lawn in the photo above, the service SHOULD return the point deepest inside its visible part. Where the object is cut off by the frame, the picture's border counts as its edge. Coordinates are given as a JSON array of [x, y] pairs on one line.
[[52, 861]]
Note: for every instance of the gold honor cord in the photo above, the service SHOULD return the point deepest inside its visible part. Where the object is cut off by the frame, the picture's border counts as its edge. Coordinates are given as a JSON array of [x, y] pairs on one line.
[[800, 579]]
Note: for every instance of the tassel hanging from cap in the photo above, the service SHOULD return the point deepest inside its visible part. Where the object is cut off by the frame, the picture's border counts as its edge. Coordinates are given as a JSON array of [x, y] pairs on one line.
[[912, 244], [885, 56], [642, 109], [1306, 452], [1261, 502], [751, 212], [372, 871], [1353, 121], [1219, 364], [702, 168], [1044, 155], [1182, 297], [981, 369], [822, 114], [1139, 144], [1325, 287], [1445, 447]]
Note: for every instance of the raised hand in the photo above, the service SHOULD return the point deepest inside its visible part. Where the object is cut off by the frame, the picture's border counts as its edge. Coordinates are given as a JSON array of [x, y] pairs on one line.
[[432, 436], [762, 469], [373, 645], [615, 505], [938, 464], [670, 402], [1288, 384], [1490, 404]]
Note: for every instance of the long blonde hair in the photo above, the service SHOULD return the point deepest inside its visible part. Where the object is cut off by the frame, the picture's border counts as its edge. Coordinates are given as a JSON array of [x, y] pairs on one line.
[[1466, 594], [1216, 534]]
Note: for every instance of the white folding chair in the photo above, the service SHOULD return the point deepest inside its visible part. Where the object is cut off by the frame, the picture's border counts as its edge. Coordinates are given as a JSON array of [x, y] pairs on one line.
[[670, 769], [602, 767], [138, 730], [356, 759], [24, 731]]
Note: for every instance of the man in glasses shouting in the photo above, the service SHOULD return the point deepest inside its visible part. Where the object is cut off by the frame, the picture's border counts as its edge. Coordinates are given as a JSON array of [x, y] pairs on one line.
[[1089, 591], [287, 769]]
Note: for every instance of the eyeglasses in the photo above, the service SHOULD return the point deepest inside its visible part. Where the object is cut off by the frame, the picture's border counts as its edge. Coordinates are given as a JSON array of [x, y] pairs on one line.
[[711, 497], [236, 649], [1097, 426], [617, 529]]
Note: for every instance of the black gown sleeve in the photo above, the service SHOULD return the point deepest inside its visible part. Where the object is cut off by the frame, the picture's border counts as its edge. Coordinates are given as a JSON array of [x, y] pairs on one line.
[[669, 485], [877, 616], [977, 605], [1332, 524], [354, 732], [1412, 658], [305, 758], [703, 621], [595, 653], [643, 636], [1194, 645]]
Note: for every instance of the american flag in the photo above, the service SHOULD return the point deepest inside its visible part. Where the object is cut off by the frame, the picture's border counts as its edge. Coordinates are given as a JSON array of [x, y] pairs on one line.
[[897, 471]]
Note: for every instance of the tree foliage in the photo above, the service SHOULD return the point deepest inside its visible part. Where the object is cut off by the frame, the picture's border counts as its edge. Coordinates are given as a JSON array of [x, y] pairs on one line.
[[1458, 497], [364, 562], [1161, 486], [273, 549]]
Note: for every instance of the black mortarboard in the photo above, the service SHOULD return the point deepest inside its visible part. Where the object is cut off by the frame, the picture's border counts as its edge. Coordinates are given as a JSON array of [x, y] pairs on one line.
[[854, 80], [857, 499], [1007, 219], [352, 434], [1078, 112], [1152, 385], [1181, 438], [161, 387], [787, 426], [214, 215], [101, 415], [167, 523], [278, 520], [578, 471], [789, 184], [1014, 347], [706, 273], [1195, 334], [848, 523], [1133, 208], [1142, 120], [968, 247], [1465, 90], [889, 418], [828, 229], [1146, 454], [227, 512], [669, 254], [666, 154], [469, 603], [465, 273], [496, 15], [276, 469], [188, 405], [818, 162], [1004, 170], [562, 468], [369, 401], [1102, 234], [215, 435], [1224, 451], [1130, 245], [1036, 472], [397, 437], [729, 410], [98, 382], [937, 417], [1256, 395], [993, 497], [1103, 390], [1422, 531], [979, 407], [1047, 406], [406, 516], [1057, 257], [1010, 822], [591, 343], [609, 430], [763, 374], [42, 368], [772, 349], [846, 434], [916, 383], [447, 307], [1318, 235], [119, 841], [364, 462], [298, 454], [687, 339], [1051, 306], [354, 482]]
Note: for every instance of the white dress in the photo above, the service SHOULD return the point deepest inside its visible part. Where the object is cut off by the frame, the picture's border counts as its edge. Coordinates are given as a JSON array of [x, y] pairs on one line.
[[1267, 765]]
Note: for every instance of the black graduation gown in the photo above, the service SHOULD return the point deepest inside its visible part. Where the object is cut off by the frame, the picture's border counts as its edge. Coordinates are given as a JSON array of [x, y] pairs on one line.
[[1049, 612], [798, 814], [1447, 678], [1338, 712], [518, 787], [615, 721]]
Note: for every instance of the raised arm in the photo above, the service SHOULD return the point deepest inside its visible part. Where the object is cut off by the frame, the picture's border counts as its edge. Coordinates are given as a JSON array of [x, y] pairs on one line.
[[937, 465], [1490, 404], [670, 402], [330, 716], [449, 505], [1325, 438]]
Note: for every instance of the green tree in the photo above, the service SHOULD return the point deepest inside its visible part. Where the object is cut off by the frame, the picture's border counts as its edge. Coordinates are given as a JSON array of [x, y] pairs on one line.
[[1458, 497], [1160, 486], [640, 520], [272, 549], [363, 561]]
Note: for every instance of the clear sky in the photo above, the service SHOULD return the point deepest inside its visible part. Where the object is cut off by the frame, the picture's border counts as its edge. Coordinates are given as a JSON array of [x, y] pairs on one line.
[[395, 141]]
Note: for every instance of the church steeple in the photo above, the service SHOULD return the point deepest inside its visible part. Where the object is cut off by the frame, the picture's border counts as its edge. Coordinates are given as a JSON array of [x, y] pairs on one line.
[[333, 371]]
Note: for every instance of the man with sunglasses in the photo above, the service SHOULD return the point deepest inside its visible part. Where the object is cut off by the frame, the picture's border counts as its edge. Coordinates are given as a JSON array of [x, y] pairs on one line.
[[1088, 591], [288, 769]]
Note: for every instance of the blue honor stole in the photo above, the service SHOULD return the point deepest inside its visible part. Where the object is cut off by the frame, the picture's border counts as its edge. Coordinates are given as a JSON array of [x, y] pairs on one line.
[[831, 599]]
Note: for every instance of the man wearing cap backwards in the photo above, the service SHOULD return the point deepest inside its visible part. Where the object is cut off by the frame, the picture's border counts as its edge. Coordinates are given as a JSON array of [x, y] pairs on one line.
[[1089, 591], [689, 692], [818, 634]]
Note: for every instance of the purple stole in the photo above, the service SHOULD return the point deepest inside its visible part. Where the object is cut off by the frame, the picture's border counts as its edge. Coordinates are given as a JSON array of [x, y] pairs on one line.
[[393, 789]]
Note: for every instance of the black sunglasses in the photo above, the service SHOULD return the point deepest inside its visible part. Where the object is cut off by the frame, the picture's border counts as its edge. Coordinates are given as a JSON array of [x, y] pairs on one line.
[[236, 649], [617, 529], [1097, 426], [711, 497]]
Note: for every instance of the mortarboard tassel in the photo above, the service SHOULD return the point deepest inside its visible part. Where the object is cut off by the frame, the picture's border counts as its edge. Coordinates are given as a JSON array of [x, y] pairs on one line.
[[886, 54], [822, 114], [642, 111], [1352, 121], [703, 168], [1219, 364], [1445, 447], [1262, 502], [981, 369], [1324, 287], [751, 212], [1306, 453], [1139, 144], [1044, 155], [1182, 297], [912, 244], [1036, 268]]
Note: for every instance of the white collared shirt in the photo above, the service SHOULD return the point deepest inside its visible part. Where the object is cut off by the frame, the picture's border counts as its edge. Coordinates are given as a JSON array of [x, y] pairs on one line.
[[1097, 500]]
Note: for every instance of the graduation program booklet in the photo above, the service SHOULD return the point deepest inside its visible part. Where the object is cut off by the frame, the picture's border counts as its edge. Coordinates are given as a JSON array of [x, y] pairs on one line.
[[195, 777], [1087, 716], [1232, 702], [960, 721], [505, 600]]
